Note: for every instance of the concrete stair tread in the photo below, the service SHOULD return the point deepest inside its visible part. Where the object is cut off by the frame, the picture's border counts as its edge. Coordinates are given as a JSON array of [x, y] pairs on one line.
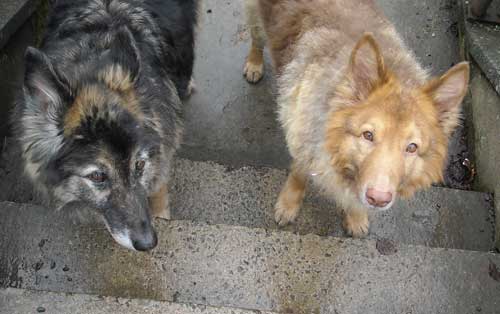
[[438, 217], [13, 13], [483, 44], [248, 268], [27, 301], [217, 194]]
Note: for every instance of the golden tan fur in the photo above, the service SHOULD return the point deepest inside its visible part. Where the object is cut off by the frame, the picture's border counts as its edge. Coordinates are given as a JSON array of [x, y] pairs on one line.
[[117, 88], [159, 203], [254, 65], [336, 82], [289, 201]]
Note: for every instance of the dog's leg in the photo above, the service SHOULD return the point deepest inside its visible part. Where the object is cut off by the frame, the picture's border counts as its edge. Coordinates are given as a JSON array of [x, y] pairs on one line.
[[356, 222], [159, 203], [291, 197], [254, 65]]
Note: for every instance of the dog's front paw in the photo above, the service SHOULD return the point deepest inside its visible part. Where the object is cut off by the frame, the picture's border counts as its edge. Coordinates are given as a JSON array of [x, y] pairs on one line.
[[253, 72], [285, 212], [356, 223], [290, 199]]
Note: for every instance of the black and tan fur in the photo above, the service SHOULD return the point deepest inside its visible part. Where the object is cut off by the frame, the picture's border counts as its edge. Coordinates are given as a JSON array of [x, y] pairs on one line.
[[101, 113]]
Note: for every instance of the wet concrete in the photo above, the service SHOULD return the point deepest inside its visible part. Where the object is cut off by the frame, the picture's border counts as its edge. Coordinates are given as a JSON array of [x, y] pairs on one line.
[[229, 120], [497, 219], [232, 122], [218, 194], [483, 45], [25, 301], [486, 117], [244, 268], [438, 217]]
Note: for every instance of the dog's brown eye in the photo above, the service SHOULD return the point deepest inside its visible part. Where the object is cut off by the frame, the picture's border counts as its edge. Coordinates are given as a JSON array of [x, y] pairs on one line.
[[97, 177], [139, 165], [412, 148], [368, 136]]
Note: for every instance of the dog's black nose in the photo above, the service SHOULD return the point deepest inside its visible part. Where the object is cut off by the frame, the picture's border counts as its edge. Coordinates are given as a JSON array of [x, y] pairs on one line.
[[146, 241]]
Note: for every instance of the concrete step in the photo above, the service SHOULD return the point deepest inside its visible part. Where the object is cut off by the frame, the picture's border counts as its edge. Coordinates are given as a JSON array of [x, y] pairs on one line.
[[245, 268], [438, 217], [483, 42], [216, 194], [20, 301], [13, 13]]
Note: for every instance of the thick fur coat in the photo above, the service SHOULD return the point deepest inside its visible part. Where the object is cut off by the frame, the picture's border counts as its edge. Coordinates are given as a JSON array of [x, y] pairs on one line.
[[101, 114], [363, 120]]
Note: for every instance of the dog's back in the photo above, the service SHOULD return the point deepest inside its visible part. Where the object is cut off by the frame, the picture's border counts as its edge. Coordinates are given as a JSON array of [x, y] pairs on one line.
[[285, 22], [163, 30]]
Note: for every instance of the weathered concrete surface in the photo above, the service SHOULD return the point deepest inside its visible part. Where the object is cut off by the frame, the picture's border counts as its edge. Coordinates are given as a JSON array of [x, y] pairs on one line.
[[233, 122], [429, 28], [497, 218], [227, 119], [13, 14], [14, 301], [486, 119], [212, 193], [483, 44], [439, 217], [245, 268]]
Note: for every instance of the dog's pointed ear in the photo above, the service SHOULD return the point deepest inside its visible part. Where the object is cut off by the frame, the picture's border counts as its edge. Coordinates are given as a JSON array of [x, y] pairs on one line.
[[367, 68], [46, 94], [124, 52], [447, 92], [42, 82]]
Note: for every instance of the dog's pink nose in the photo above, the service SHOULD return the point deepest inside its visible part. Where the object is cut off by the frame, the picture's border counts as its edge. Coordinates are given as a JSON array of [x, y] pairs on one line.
[[378, 198]]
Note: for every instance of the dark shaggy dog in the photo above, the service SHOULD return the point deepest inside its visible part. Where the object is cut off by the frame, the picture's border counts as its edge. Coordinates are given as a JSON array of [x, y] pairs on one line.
[[100, 117]]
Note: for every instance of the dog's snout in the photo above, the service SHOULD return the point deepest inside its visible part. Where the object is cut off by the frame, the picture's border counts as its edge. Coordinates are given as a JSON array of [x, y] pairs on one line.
[[378, 198], [144, 238], [145, 241]]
